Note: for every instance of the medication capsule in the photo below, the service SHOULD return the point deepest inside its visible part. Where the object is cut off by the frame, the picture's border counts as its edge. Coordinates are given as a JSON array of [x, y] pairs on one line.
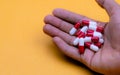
[[94, 39], [96, 28], [90, 31], [98, 34], [100, 29], [86, 43], [91, 46], [76, 41], [81, 46], [87, 22], [101, 41], [98, 44], [82, 30], [91, 39], [74, 29]]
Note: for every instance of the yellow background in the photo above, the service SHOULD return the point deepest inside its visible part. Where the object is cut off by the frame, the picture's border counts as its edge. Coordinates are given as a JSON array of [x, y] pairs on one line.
[[25, 49]]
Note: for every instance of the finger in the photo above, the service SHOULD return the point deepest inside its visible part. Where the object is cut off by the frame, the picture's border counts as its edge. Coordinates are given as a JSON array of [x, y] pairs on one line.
[[72, 17], [53, 31], [87, 57], [67, 49], [110, 6], [62, 25], [73, 52], [67, 15]]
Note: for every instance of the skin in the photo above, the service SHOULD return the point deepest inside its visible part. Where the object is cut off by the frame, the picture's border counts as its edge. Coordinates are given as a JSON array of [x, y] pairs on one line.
[[107, 59]]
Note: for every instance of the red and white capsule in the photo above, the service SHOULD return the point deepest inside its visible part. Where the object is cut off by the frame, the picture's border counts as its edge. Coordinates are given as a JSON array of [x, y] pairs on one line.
[[98, 34], [89, 23], [91, 46], [82, 30], [76, 41], [98, 44], [96, 28], [90, 31], [93, 39], [81, 46], [74, 29]]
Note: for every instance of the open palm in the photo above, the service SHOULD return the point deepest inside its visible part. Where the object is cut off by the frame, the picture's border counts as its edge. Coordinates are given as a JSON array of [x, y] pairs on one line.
[[106, 60]]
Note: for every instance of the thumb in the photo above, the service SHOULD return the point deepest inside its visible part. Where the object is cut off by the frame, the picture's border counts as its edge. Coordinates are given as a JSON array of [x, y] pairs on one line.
[[109, 5]]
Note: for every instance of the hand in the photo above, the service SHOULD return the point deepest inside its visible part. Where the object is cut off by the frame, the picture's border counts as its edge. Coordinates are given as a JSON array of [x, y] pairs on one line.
[[107, 59]]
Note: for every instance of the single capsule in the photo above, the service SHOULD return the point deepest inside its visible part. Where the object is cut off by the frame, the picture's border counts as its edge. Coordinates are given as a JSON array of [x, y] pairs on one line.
[[96, 28], [88, 23], [82, 30], [98, 34], [81, 46], [98, 44], [91, 46], [74, 29], [94, 39], [90, 31]]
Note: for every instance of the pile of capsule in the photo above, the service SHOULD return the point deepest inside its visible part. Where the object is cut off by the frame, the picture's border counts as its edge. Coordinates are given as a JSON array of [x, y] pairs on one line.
[[88, 35]]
